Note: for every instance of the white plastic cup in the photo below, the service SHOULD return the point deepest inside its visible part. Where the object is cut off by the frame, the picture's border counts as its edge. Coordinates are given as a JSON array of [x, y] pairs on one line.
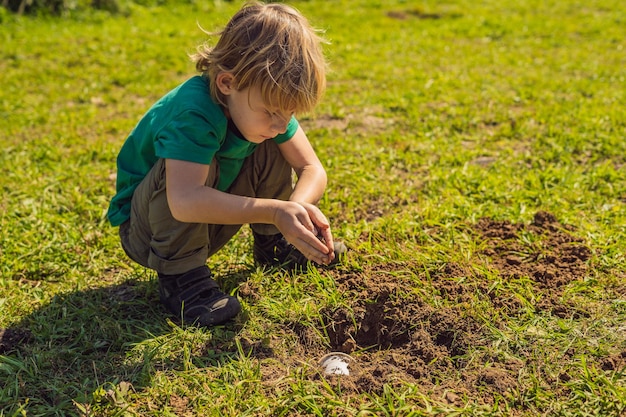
[[335, 363]]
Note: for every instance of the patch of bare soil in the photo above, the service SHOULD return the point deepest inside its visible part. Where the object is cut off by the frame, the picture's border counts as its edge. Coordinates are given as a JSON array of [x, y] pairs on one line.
[[10, 338], [406, 339], [365, 123], [545, 251], [397, 337]]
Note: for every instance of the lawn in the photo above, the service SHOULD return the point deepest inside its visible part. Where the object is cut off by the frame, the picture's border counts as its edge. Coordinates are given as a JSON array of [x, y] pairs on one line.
[[476, 156]]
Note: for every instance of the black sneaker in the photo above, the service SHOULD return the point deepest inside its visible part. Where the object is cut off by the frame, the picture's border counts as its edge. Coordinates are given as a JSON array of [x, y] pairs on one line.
[[274, 250], [197, 297]]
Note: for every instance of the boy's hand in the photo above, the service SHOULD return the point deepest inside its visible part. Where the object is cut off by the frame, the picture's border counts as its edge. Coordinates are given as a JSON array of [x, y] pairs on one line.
[[306, 227]]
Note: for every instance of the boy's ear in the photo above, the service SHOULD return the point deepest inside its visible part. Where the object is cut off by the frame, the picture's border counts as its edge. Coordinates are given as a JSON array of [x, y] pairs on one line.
[[225, 82]]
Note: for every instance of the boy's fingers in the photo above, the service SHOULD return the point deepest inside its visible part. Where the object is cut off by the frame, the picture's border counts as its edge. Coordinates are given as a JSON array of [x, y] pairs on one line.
[[314, 249], [327, 238], [325, 235]]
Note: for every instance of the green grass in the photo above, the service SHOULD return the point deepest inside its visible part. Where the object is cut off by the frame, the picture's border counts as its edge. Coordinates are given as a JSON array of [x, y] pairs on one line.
[[437, 115]]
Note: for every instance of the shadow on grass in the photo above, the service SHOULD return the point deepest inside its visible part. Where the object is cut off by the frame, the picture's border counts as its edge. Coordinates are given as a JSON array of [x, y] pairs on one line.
[[84, 340]]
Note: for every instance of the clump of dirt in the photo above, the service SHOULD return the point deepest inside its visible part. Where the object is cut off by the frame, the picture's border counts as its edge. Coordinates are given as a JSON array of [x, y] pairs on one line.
[[385, 315], [616, 362]]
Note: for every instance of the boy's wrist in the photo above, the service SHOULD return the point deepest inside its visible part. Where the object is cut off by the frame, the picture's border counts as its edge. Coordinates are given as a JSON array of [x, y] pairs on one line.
[[274, 209]]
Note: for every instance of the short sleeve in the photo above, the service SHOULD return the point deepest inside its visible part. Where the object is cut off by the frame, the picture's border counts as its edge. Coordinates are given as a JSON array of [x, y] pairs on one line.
[[188, 137]]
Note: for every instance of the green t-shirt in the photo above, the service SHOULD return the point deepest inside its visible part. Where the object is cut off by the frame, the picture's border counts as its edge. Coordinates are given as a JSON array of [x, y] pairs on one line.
[[186, 124]]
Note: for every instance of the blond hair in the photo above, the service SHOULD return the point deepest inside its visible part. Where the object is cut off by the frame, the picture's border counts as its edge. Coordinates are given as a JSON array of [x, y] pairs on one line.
[[272, 47]]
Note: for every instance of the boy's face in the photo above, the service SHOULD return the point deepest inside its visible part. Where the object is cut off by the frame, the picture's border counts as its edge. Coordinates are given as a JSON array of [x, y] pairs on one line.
[[256, 121]]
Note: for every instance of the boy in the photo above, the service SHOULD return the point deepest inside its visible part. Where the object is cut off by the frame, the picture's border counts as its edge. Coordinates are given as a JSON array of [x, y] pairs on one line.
[[217, 152]]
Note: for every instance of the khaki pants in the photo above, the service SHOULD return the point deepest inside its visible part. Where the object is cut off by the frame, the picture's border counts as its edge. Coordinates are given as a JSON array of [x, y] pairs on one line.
[[154, 239]]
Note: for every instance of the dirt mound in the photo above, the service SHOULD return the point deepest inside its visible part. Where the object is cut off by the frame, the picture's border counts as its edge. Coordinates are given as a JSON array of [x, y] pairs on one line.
[[544, 251]]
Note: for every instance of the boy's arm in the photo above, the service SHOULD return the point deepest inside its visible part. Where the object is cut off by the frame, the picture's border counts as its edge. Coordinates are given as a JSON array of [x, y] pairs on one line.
[[311, 182], [191, 201], [311, 174]]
